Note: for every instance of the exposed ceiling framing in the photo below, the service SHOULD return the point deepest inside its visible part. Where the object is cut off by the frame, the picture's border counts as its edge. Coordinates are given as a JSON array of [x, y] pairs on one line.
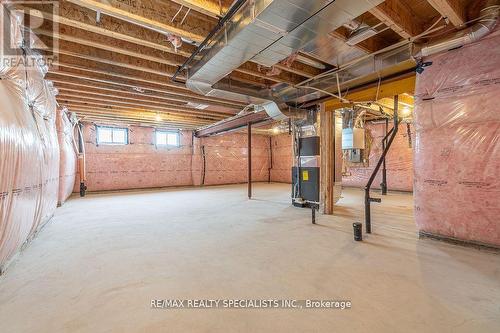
[[454, 10], [115, 61]]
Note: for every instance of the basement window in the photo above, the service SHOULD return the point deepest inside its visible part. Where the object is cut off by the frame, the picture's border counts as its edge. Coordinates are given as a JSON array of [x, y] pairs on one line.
[[112, 135], [167, 138]]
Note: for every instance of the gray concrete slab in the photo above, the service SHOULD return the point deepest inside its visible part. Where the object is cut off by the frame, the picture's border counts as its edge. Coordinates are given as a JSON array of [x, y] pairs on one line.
[[96, 266]]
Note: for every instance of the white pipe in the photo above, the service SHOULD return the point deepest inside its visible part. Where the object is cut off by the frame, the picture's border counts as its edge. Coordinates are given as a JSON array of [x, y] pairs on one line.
[[463, 37]]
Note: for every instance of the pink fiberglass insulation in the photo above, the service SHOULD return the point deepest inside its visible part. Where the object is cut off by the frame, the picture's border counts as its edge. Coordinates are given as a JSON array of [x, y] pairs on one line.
[[457, 149], [141, 164], [226, 158], [282, 155], [399, 161], [67, 162], [29, 163]]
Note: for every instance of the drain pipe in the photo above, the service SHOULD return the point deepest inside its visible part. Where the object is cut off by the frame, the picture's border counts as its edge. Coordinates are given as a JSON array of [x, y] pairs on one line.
[[489, 18]]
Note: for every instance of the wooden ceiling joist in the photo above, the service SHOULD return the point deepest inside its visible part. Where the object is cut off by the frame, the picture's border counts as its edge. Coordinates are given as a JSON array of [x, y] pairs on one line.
[[155, 16], [168, 99], [181, 110], [85, 19], [76, 75], [105, 59], [135, 60], [153, 117], [64, 89], [104, 67], [91, 40], [141, 115], [110, 118], [93, 100], [398, 17], [206, 7], [89, 106], [454, 10], [75, 19]]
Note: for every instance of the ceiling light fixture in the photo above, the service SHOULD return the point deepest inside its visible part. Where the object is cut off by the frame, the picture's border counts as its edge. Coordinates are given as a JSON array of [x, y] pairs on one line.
[[405, 111]]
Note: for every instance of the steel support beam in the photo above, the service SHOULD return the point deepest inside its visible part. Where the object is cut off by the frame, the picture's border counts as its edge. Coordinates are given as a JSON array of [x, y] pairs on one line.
[[232, 124]]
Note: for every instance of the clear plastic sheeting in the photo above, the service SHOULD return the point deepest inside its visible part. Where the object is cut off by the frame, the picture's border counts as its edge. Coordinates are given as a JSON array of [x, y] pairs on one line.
[[29, 164], [399, 160], [67, 149], [457, 148]]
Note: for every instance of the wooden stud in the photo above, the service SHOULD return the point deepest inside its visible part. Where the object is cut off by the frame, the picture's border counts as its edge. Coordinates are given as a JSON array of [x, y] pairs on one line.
[[327, 167]]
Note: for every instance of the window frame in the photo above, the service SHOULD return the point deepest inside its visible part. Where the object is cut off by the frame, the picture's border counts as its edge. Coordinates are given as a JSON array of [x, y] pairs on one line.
[[167, 132], [112, 143]]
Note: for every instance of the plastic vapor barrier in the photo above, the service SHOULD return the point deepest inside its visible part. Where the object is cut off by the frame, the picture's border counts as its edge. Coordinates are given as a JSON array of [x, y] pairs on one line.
[[457, 150], [29, 150], [67, 149]]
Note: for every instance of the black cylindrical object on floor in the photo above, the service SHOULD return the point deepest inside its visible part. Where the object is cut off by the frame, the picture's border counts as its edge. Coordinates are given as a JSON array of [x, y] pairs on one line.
[[358, 231]]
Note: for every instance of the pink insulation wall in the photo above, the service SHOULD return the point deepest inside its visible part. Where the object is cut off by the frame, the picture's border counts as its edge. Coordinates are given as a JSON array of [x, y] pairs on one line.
[[457, 151], [281, 170], [29, 161], [399, 161], [226, 158], [141, 164], [67, 162]]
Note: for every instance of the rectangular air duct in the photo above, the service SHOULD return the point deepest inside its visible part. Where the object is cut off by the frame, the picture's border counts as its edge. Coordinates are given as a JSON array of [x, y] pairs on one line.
[[266, 32]]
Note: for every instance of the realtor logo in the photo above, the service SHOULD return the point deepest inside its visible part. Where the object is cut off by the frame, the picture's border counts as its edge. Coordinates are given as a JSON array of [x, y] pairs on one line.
[[28, 24]]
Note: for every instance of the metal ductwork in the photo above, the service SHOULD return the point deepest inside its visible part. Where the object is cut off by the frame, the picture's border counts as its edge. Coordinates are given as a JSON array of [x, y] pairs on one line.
[[397, 60], [266, 32], [489, 18], [366, 70]]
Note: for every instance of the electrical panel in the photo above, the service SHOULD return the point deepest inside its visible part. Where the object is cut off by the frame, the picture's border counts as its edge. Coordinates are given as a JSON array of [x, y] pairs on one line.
[[354, 156], [353, 138]]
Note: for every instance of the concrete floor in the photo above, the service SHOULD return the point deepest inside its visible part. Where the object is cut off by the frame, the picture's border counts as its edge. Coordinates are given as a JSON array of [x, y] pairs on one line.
[[98, 264]]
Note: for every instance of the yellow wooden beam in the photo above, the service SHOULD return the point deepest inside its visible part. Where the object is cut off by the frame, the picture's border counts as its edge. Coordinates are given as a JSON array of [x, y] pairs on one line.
[[387, 89]]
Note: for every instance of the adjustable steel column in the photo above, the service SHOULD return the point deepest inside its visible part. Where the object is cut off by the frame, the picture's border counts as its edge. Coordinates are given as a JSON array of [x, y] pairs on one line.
[[368, 199], [383, 185], [249, 130]]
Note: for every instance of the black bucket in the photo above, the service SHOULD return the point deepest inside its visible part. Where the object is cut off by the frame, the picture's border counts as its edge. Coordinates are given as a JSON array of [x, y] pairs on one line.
[[358, 231]]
